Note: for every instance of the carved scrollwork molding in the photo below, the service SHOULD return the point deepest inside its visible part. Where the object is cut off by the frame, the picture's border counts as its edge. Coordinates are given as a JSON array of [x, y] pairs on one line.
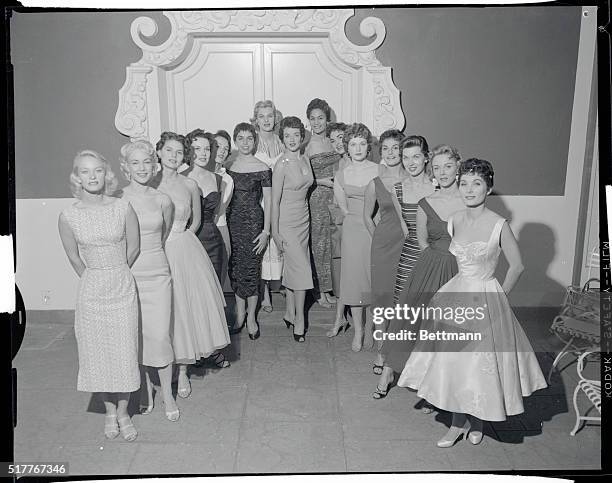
[[131, 118]]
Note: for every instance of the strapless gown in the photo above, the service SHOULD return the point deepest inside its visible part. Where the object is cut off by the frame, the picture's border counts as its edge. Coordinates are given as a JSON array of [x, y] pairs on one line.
[[486, 378], [199, 327]]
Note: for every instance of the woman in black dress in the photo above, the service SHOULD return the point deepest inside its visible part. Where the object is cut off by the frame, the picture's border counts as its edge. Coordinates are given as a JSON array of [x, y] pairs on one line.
[[201, 145], [249, 225]]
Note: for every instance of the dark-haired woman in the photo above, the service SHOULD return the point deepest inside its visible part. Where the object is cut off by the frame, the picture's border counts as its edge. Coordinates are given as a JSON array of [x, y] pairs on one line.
[[201, 146], [224, 147], [414, 153], [322, 159], [349, 189], [290, 221], [435, 265], [199, 328], [486, 377], [249, 226]]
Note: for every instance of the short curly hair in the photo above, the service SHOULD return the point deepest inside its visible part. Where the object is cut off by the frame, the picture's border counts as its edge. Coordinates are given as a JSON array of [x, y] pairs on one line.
[[139, 145], [317, 103], [291, 122], [357, 130], [334, 126], [170, 136], [245, 126], [200, 133], [262, 104], [110, 180], [447, 149], [480, 167], [389, 134]]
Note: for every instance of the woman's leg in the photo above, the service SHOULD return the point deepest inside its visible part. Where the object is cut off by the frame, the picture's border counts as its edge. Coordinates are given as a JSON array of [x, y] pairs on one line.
[[340, 322], [251, 313], [111, 428], [357, 313], [184, 385], [299, 302], [128, 431], [240, 312], [146, 392], [266, 302], [165, 380], [368, 338], [290, 308]]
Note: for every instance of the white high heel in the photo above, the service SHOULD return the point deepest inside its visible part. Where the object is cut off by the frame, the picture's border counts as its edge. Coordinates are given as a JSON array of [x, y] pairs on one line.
[[453, 435]]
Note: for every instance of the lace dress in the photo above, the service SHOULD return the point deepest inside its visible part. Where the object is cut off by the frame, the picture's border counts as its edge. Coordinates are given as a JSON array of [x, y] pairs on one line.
[[486, 378], [106, 315]]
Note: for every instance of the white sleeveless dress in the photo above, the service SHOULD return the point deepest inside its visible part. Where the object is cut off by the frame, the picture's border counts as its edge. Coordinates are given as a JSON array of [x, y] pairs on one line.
[[488, 378], [106, 315]]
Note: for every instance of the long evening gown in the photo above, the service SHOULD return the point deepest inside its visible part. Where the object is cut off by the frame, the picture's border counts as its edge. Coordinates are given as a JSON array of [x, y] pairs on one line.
[[208, 233], [294, 224], [272, 261], [321, 197], [488, 378], [106, 315], [387, 243], [245, 220], [434, 267], [200, 328], [152, 274], [356, 245]]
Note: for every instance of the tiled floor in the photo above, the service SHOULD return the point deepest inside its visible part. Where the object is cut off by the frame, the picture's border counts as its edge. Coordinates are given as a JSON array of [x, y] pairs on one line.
[[281, 407]]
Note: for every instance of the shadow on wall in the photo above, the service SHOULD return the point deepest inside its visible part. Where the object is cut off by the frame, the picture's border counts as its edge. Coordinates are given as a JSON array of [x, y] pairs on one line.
[[537, 245]]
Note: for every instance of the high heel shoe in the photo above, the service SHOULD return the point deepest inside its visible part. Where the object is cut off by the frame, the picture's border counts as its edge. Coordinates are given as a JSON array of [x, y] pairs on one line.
[[287, 323], [256, 335], [453, 435], [128, 431], [337, 328], [476, 434], [111, 427], [173, 415], [184, 392], [299, 337]]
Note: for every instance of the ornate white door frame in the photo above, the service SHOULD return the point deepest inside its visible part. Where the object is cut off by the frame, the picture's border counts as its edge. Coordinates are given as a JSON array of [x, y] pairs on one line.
[[152, 84]]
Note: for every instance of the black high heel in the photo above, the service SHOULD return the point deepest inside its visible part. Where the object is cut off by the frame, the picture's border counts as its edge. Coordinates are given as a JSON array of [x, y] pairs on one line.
[[299, 337], [287, 323], [256, 335]]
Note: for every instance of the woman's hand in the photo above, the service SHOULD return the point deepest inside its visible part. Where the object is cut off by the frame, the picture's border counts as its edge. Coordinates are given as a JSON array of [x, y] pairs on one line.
[[280, 242], [261, 242]]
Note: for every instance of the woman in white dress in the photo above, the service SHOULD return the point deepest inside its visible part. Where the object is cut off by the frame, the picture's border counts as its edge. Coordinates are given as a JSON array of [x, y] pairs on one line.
[[152, 272], [269, 147], [485, 374], [200, 328], [100, 236]]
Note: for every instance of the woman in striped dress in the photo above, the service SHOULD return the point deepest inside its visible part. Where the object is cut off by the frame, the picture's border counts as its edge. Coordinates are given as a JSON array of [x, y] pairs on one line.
[[415, 158]]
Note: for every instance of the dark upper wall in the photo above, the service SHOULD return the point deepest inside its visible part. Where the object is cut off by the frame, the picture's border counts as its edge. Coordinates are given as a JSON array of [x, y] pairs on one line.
[[496, 82]]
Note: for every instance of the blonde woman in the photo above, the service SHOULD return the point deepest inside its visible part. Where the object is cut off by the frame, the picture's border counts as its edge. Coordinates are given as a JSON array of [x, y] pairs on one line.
[[152, 272], [100, 236]]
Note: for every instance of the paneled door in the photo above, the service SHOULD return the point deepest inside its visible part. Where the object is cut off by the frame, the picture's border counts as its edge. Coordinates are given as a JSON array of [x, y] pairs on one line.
[[218, 83]]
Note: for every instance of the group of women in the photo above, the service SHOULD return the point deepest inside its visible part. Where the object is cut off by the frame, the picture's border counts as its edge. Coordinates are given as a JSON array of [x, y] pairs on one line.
[[311, 216]]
